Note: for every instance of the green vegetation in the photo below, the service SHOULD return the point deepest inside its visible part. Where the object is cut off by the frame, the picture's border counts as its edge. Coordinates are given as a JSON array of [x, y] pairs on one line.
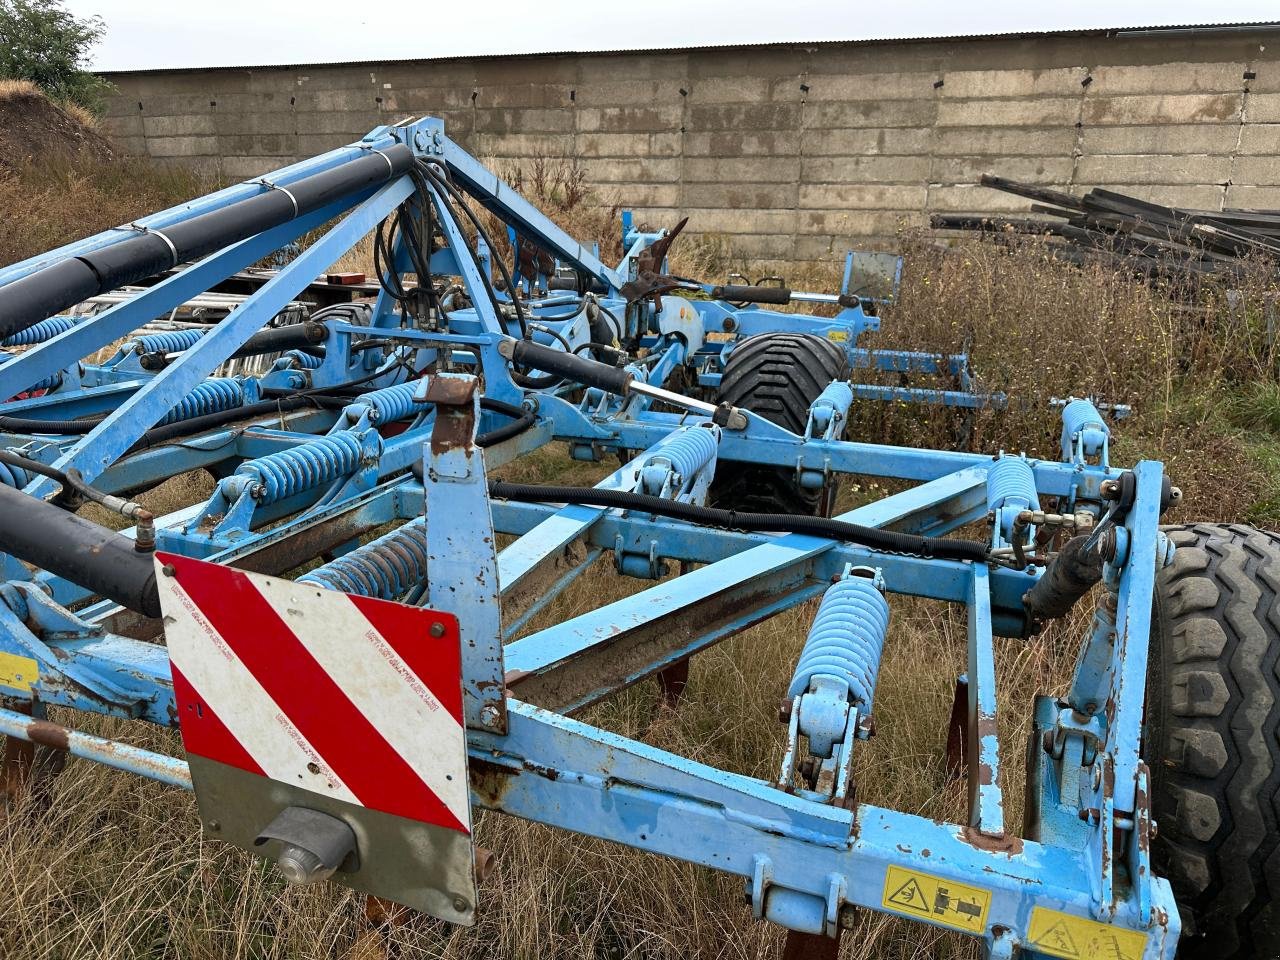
[[45, 44]]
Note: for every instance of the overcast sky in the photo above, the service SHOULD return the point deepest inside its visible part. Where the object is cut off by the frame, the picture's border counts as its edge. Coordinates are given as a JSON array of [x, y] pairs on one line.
[[145, 34]]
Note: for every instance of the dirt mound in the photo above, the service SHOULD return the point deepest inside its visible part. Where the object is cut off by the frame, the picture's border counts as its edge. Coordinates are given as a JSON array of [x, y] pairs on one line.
[[34, 128]]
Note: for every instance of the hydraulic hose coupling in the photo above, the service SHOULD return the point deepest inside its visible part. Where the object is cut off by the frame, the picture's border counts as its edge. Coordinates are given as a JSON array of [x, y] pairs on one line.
[[840, 662]]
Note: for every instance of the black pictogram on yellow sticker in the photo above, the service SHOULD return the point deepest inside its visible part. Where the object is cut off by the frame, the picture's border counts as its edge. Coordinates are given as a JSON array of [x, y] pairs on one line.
[[943, 901], [1075, 938]]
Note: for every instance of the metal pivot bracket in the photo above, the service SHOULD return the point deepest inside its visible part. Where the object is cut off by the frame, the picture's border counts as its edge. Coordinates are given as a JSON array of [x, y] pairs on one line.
[[461, 552]]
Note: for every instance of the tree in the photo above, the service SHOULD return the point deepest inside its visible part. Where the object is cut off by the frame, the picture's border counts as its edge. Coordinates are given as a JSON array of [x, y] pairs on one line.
[[45, 44]]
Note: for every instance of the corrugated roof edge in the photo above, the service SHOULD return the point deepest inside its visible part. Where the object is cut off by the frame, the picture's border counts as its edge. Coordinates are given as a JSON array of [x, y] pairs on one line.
[[1100, 32]]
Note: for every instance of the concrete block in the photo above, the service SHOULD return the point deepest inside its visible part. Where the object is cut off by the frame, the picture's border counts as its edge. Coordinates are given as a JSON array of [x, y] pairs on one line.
[[741, 196], [182, 146], [862, 196], [1044, 170], [865, 170], [706, 220], [1260, 138], [741, 170], [1263, 108], [1253, 197], [1165, 78], [630, 93], [759, 250], [612, 144], [337, 101], [246, 168], [429, 100], [870, 113], [639, 119], [1183, 168], [991, 84], [521, 144], [1029, 112], [744, 89], [157, 104], [760, 116], [666, 144], [1161, 138], [871, 86], [134, 146], [123, 125], [636, 195], [259, 145], [972, 198], [613, 171], [1267, 74], [1176, 108], [850, 223], [746, 62], [1262, 171], [549, 96], [525, 71], [523, 121], [239, 123], [633, 66], [740, 143], [1004, 141], [353, 124], [313, 144], [867, 141], [179, 126]]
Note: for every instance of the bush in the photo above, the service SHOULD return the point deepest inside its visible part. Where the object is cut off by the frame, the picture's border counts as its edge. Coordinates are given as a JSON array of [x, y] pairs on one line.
[[45, 44]]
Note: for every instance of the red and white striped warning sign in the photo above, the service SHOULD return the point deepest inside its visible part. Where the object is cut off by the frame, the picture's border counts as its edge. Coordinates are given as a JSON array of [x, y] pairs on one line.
[[345, 696]]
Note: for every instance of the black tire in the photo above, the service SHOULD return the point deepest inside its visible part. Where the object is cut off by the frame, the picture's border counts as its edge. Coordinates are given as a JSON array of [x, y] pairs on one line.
[[1213, 719], [777, 375]]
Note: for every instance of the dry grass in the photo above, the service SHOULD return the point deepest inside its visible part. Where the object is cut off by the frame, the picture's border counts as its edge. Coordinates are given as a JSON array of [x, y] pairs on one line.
[[10, 89], [117, 867]]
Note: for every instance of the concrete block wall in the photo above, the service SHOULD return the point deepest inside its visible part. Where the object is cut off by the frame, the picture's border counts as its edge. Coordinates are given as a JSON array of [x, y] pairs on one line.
[[796, 152]]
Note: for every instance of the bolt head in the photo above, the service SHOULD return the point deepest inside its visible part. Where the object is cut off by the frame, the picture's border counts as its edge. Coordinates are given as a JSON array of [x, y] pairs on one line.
[[490, 716], [784, 710], [437, 630], [459, 904]]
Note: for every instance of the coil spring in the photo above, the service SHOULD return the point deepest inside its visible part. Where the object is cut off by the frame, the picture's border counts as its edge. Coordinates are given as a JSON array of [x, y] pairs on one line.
[[846, 640], [1081, 417], [12, 476], [1011, 482], [172, 341], [219, 393], [687, 453], [393, 403], [40, 332], [301, 360], [385, 568], [308, 465]]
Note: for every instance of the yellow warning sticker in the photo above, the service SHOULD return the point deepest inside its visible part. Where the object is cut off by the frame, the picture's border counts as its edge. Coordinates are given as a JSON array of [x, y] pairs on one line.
[[18, 672], [840, 336], [922, 895], [1075, 938]]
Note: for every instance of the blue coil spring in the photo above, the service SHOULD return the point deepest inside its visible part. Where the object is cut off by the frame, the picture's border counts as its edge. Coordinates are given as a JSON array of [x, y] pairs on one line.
[[1011, 482], [12, 476], [394, 403], [385, 568], [301, 360], [688, 452], [304, 467], [1082, 417], [218, 393], [172, 341], [846, 640], [40, 332]]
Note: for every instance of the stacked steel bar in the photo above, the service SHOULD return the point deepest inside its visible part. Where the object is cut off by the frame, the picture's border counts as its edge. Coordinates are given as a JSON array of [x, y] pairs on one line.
[[1133, 234]]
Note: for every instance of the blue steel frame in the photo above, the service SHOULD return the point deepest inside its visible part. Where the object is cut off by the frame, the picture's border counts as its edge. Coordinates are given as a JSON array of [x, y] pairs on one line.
[[805, 860]]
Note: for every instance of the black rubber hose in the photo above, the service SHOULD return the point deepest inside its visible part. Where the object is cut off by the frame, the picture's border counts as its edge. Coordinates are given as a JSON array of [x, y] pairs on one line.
[[569, 366], [888, 541], [72, 427], [76, 549], [42, 294], [754, 294], [1069, 576]]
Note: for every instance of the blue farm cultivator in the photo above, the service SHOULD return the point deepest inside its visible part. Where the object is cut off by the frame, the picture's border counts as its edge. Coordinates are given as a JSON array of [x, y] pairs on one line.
[[345, 721]]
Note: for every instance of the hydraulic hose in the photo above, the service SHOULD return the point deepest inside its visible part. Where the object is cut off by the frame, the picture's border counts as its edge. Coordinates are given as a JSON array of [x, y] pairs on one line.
[[76, 549], [25, 302], [888, 541]]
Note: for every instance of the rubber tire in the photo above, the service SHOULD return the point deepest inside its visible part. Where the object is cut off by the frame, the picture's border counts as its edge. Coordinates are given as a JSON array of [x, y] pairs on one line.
[[778, 376], [1213, 719]]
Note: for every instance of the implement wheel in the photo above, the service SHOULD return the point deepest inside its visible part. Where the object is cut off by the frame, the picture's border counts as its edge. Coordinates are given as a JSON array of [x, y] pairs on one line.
[[1213, 732], [777, 375]]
